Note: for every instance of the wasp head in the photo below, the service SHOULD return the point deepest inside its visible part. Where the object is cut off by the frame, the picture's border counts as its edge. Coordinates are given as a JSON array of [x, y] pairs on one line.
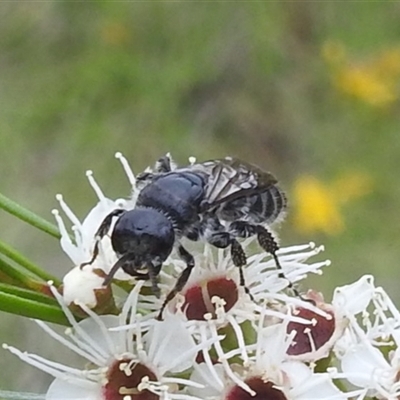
[[144, 235]]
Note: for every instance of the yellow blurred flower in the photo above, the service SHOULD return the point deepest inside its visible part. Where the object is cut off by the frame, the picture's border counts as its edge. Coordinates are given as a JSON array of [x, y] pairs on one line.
[[317, 206], [374, 81], [365, 84]]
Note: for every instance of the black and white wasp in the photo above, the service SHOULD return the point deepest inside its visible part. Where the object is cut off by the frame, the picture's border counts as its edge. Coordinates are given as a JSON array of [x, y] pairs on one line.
[[217, 201]]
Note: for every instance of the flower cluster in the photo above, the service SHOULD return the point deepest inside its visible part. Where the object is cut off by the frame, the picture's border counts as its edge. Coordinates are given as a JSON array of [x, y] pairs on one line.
[[215, 342]]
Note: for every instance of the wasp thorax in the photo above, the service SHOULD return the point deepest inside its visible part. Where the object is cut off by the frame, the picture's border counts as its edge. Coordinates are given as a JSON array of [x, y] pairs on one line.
[[262, 390], [124, 379], [205, 297]]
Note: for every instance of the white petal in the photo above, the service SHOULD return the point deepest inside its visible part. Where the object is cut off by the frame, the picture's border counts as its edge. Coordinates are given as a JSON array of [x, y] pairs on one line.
[[103, 339], [297, 372], [318, 387], [273, 343], [362, 364], [202, 375], [72, 251], [169, 345], [93, 220], [62, 390], [307, 385], [354, 298]]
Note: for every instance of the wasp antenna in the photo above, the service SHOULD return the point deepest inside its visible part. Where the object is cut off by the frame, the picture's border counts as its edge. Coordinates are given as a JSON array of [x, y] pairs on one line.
[[110, 275], [119, 264]]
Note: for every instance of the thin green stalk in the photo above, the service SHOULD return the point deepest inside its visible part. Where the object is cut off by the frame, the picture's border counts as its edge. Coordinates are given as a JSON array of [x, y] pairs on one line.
[[27, 294], [13, 254], [28, 216], [5, 278], [15, 273], [8, 395], [18, 278], [13, 304]]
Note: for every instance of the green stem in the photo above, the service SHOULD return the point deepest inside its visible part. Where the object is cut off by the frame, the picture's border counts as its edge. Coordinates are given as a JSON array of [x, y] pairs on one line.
[[8, 395], [28, 216], [16, 274], [27, 294], [6, 278], [13, 304], [27, 264], [13, 276]]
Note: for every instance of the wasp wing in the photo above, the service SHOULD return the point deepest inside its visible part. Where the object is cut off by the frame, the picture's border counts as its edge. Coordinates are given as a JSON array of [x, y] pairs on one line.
[[230, 179]]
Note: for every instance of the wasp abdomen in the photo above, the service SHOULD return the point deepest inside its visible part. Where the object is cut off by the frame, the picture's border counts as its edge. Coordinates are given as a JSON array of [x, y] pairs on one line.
[[269, 206]]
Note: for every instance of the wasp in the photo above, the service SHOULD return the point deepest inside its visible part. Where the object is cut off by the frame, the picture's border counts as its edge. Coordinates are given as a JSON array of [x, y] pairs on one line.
[[216, 201]]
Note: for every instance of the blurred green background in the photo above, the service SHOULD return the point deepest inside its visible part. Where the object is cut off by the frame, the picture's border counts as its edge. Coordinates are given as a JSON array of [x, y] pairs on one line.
[[307, 90]]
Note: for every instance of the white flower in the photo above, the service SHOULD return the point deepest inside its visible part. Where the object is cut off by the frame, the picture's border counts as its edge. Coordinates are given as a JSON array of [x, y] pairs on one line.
[[221, 338], [213, 298], [362, 361], [86, 286], [354, 298], [313, 342], [366, 367], [213, 289], [137, 364], [266, 372], [81, 249]]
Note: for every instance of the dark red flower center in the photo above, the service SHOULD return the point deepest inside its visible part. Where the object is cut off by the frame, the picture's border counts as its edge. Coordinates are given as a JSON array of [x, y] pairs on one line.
[[263, 390], [198, 298], [123, 378], [313, 336]]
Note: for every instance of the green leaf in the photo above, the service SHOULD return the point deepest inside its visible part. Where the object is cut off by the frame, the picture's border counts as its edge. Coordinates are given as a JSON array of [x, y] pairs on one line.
[[28, 216], [16, 275], [28, 294], [14, 255], [8, 395], [14, 304]]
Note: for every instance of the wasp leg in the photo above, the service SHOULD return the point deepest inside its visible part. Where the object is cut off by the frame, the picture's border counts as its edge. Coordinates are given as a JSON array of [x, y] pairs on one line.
[[239, 260], [182, 279], [267, 242], [220, 239], [164, 164], [224, 239], [214, 232], [153, 272], [194, 233], [216, 235], [101, 232]]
